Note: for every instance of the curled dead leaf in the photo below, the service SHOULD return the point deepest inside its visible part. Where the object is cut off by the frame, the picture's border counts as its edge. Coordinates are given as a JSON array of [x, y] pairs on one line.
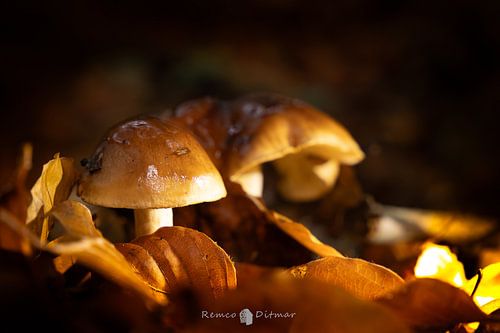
[[298, 232], [144, 264], [430, 303], [186, 258], [359, 277]]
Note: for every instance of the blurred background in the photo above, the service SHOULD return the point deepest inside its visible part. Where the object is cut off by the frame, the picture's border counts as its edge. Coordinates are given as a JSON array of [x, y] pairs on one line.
[[417, 84]]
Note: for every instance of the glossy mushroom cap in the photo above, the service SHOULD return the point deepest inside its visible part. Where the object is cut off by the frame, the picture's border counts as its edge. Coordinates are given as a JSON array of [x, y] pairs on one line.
[[306, 144], [148, 163]]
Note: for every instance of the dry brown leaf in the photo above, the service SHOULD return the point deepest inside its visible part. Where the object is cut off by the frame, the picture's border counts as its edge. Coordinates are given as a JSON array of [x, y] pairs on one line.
[[282, 304], [15, 199], [186, 258], [53, 186], [89, 248], [359, 277], [430, 303]]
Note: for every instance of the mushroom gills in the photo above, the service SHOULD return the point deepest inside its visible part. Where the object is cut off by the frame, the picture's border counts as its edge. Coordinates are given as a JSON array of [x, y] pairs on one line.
[[252, 181], [305, 177], [148, 221]]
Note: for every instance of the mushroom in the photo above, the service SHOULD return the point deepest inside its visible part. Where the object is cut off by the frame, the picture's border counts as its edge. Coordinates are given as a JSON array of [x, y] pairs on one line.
[[305, 145], [150, 166]]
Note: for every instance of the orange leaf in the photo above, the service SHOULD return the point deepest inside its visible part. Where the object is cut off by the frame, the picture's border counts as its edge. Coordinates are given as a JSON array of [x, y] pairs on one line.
[[298, 232], [144, 264], [186, 258], [361, 278]]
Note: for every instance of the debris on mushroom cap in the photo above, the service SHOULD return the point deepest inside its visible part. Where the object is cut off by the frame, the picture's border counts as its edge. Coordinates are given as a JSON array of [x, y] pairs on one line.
[[149, 163], [305, 144]]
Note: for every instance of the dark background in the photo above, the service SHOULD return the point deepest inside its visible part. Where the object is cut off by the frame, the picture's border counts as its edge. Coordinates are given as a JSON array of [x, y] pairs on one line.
[[416, 83]]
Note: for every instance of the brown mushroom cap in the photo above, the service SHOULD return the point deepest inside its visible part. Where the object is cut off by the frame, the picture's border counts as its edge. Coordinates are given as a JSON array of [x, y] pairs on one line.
[[148, 163], [305, 145], [275, 126]]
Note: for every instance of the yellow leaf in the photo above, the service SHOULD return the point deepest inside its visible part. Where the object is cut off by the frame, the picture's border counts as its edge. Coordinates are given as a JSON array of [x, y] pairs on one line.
[[76, 219], [53, 186], [491, 306], [488, 289], [440, 263], [359, 277]]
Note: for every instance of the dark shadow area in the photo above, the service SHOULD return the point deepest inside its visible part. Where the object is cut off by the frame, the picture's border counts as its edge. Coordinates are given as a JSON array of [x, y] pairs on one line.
[[417, 84]]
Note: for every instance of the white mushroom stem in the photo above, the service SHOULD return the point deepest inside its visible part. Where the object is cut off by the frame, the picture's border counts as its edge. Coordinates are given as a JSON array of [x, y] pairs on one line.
[[252, 181], [148, 221]]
